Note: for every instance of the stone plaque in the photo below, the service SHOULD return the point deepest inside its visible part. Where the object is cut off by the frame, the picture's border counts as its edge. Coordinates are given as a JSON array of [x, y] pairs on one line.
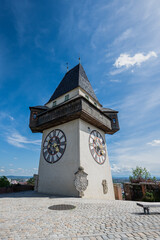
[[105, 186], [81, 181]]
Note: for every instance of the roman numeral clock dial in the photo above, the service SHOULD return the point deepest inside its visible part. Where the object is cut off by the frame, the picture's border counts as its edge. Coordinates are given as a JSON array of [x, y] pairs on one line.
[[97, 147], [54, 146]]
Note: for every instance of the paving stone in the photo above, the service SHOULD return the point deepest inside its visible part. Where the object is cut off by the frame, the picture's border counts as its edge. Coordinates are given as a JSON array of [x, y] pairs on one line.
[[26, 216], [104, 237]]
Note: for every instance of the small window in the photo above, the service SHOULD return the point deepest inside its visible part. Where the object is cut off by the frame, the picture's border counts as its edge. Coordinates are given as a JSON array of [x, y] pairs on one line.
[[66, 97], [34, 115], [54, 103], [95, 103], [114, 120], [87, 97]]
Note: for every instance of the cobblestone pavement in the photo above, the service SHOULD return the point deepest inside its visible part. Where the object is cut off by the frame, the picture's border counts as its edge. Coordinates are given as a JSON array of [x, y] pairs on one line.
[[26, 215]]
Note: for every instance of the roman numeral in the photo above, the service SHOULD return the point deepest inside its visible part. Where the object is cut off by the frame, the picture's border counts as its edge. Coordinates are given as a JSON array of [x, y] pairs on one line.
[[92, 151], [48, 158], [61, 150], [57, 133], [55, 157], [61, 137], [58, 154], [46, 154], [45, 144], [52, 134]]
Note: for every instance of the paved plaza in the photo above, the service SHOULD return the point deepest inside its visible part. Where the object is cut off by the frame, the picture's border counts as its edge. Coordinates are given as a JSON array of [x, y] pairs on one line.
[[26, 215]]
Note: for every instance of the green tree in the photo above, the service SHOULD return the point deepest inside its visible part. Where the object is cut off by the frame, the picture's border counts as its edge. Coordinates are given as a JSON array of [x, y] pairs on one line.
[[4, 182], [31, 181], [140, 174]]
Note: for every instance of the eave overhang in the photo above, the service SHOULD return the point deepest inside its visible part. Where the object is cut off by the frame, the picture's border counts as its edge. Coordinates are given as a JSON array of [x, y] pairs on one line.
[[75, 108]]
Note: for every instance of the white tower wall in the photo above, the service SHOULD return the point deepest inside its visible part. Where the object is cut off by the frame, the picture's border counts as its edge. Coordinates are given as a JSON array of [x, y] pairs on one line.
[[96, 172], [58, 178]]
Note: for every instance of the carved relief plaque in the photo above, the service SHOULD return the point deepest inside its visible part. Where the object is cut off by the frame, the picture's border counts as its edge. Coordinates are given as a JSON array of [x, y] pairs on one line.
[[81, 181], [105, 186]]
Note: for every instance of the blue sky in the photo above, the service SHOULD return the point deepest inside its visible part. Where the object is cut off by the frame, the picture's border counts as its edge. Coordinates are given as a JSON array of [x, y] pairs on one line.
[[119, 45]]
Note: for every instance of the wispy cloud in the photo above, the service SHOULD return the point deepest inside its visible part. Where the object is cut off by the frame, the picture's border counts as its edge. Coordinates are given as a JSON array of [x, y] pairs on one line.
[[133, 152], [123, 170], [115, 169], [17, 140], [22, 21], [125, 60], [4, 115], [140, 104], [11, 118], [117, 71], [123, 36], [115, 80], [21, 171], [155, 143], [96, 90]]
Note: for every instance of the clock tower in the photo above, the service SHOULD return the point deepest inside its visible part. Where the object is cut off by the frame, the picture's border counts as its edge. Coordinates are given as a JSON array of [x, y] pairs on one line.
[[74, 160]]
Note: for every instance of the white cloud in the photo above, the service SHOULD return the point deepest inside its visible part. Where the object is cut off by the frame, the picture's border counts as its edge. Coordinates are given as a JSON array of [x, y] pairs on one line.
[[121, 169], [35, 169], [22, 171], [115, 80], [154, 143], [115, 169], [1, 170], [132, 152], [16, 139], [11, 118], [125, 60]]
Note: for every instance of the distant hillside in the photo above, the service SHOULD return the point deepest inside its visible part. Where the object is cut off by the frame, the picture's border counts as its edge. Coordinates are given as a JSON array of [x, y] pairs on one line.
[[120, 179], [19, 177], [125, 179]]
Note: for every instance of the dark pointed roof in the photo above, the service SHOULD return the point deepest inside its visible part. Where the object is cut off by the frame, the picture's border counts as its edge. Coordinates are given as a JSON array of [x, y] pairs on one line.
[[74, 78]]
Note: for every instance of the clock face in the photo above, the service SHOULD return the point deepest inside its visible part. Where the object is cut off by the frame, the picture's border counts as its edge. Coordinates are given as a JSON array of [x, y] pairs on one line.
[[54, 146], [97, 147]]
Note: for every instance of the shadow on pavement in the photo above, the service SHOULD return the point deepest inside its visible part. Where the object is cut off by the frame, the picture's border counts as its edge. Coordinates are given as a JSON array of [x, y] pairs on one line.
[[29, 194], [143, 214]]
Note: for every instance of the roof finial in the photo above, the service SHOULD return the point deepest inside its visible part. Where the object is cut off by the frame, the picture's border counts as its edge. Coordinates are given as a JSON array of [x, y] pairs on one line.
[[67, 66], [79, 59]]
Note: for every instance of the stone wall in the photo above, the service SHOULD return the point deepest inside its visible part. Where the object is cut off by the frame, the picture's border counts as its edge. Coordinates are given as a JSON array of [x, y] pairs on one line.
[[16, 188]]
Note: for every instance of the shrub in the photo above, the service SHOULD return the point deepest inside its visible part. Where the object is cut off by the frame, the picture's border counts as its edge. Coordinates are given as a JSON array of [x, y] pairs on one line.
[[30, 181], [149, 197], [4, 182]]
